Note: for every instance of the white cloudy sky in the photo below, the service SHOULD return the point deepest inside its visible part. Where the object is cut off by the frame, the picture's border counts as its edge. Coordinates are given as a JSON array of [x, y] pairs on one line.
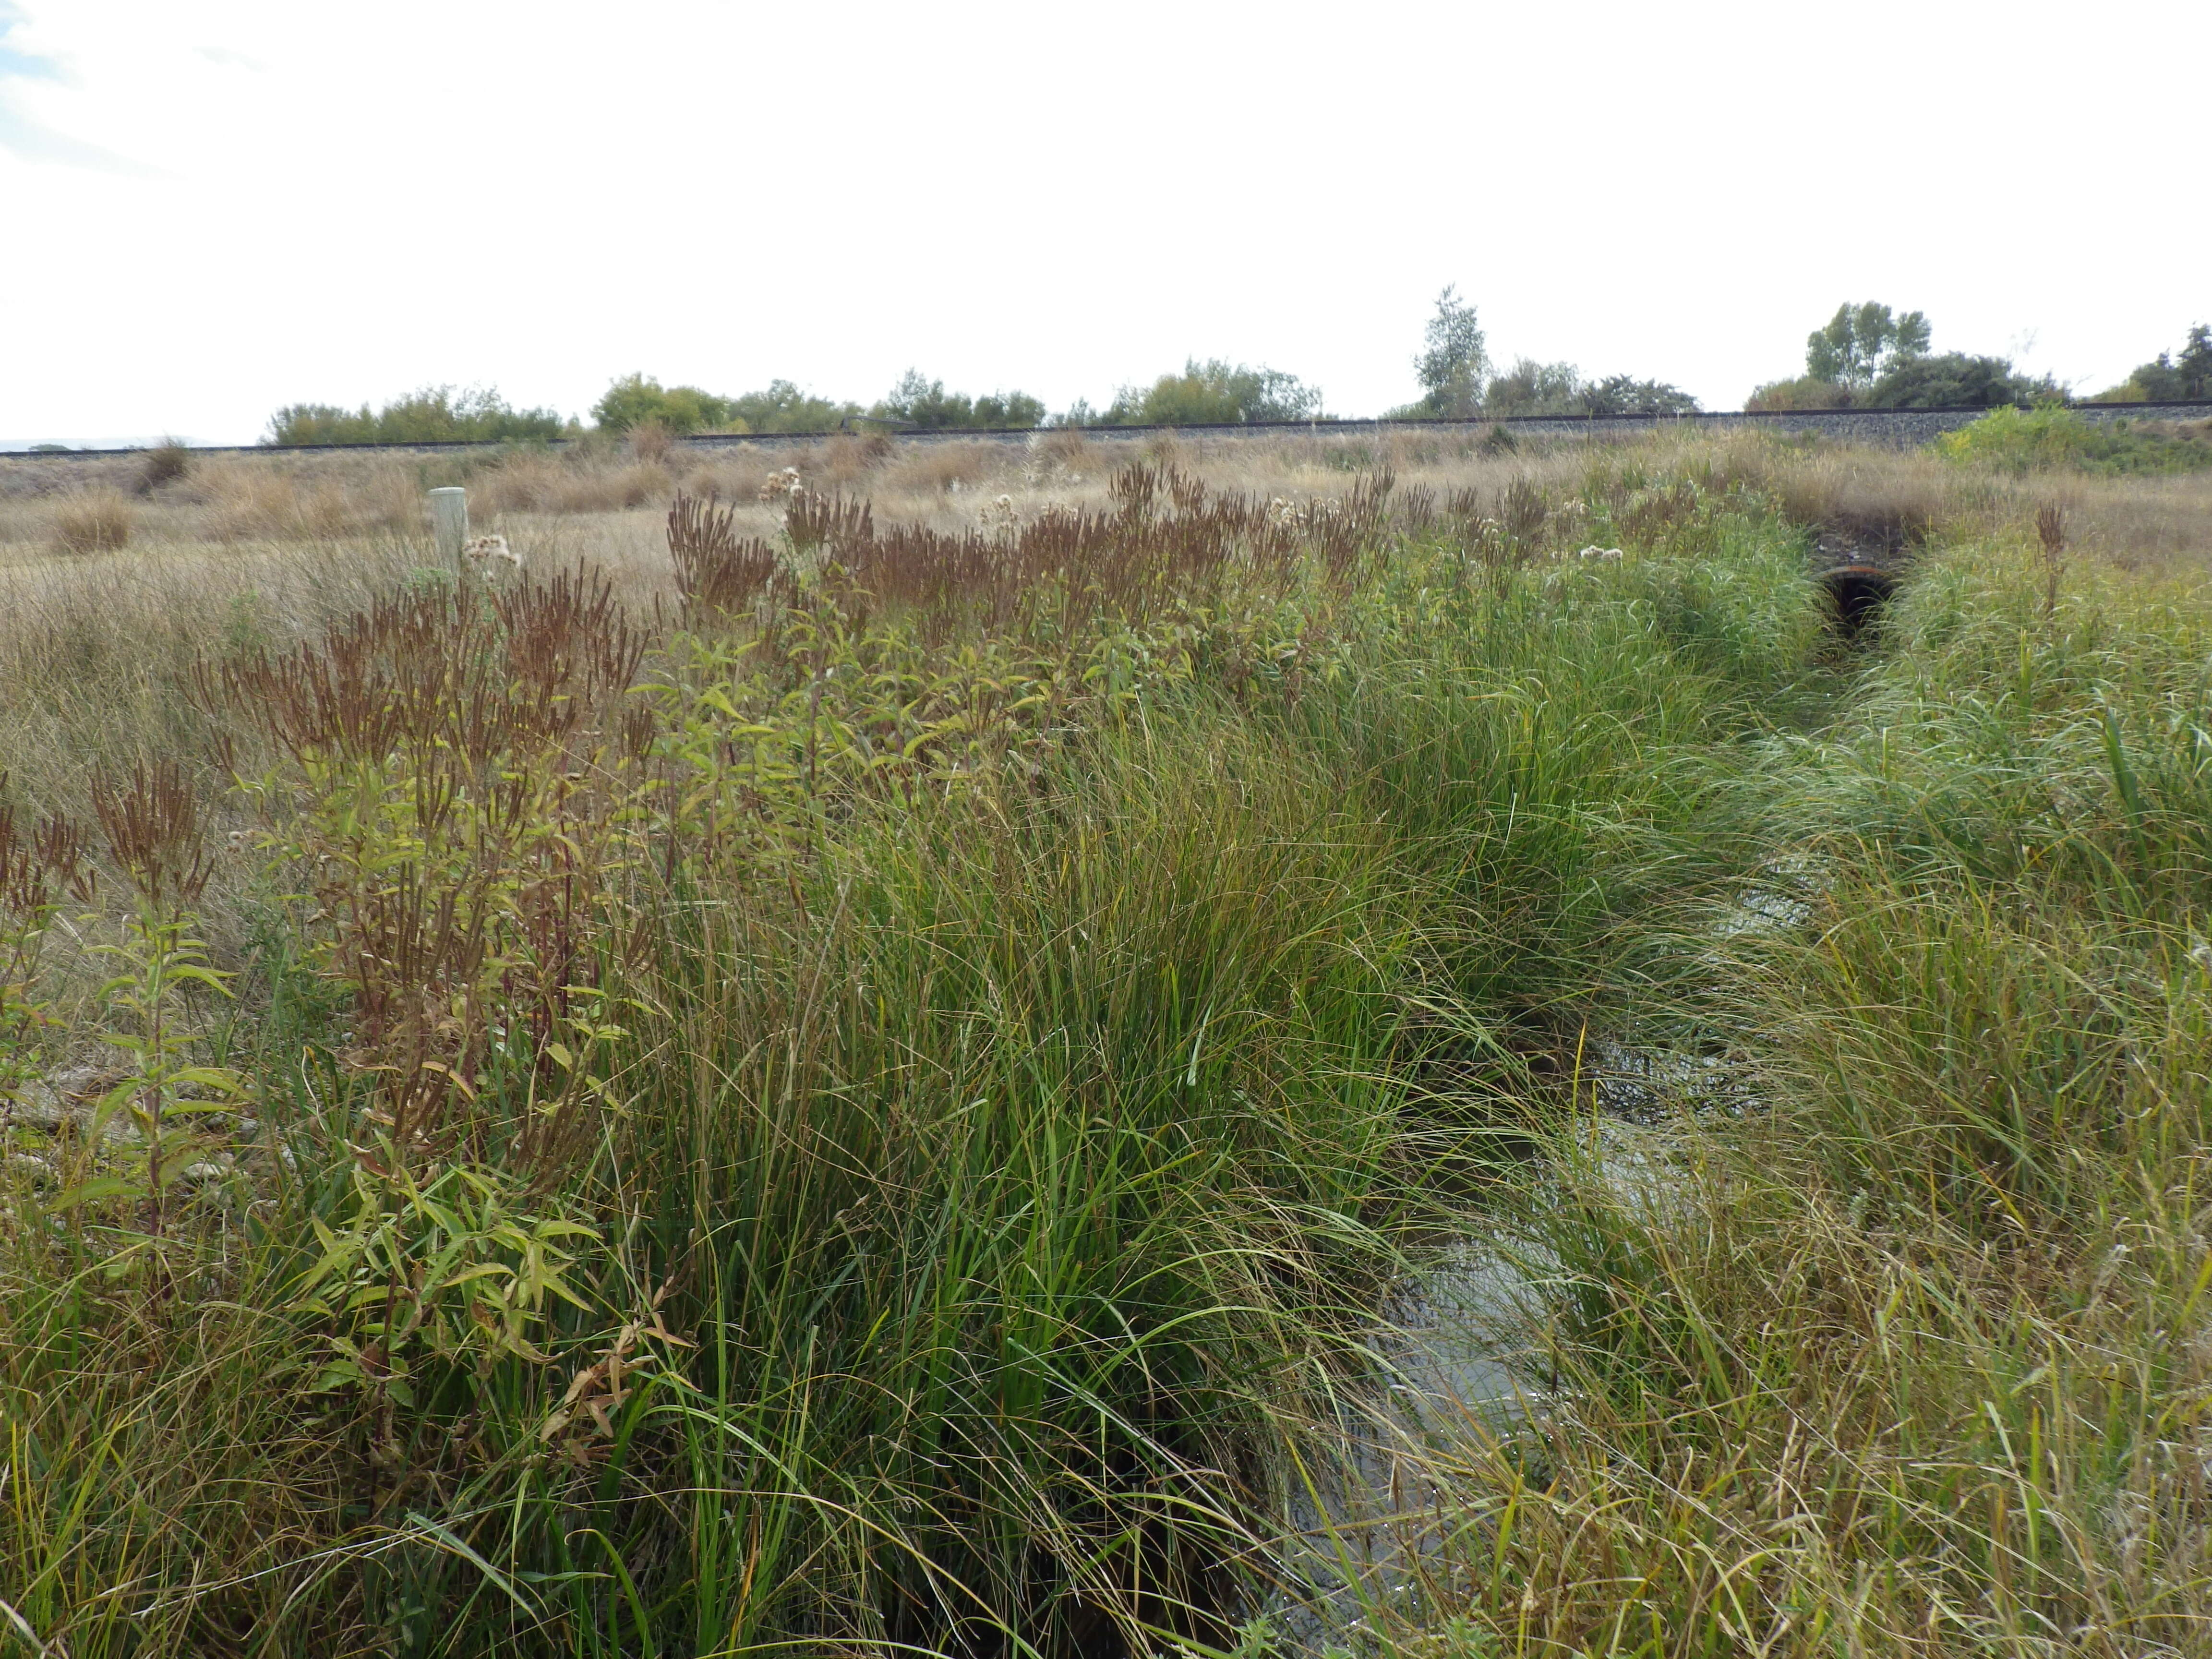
[[208, 208]]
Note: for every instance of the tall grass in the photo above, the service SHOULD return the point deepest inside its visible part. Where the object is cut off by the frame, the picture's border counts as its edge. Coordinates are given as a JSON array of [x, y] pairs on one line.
[[982, 1145], [942, 1074], [1902, 1350], [1539, 731]]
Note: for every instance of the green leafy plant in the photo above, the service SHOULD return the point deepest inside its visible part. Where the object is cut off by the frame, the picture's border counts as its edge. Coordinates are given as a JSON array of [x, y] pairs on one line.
[[1955, 380], [152, 827], [462, 786], [926, 405], [1215, 392], [639, 401], [2013, 439], [438, 413], [455, 1264]]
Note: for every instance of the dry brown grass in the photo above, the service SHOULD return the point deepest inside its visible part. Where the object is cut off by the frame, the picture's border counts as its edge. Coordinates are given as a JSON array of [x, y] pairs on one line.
[[1875, 493], [650, 441], [245, 548], [2159, 523], [93, 521]]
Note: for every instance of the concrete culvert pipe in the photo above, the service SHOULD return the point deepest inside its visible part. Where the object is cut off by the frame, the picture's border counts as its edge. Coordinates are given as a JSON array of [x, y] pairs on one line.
[[1856, 592]]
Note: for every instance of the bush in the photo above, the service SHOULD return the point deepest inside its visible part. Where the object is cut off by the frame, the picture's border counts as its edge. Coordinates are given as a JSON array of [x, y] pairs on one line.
[[1215, 393], [1533, 388], [926, 404], [1624, 394], [637, 400], [1805, 391], [782, 407], [93, 521], [435, 414], [1954, 381], [2163, 380], [2012, 439]]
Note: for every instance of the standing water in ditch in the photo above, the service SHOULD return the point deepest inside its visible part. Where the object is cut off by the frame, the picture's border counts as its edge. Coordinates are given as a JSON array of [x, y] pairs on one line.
[[1457, 1363]]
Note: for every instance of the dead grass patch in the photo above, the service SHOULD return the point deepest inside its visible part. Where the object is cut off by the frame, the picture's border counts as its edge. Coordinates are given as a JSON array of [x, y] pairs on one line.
[[93, 521], [943, 468]]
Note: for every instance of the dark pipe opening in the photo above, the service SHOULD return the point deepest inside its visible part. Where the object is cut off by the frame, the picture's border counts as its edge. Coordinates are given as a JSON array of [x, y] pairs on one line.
[[1856, 592]]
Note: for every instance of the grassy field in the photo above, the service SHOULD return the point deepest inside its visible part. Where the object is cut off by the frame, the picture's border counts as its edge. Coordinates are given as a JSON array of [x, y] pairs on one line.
[[860, 1070]]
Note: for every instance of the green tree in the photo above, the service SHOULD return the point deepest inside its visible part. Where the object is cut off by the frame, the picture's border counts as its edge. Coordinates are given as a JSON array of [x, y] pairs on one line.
[[1215, 393], [1453, 365], [1624, 394], [1860, 343], [1955, 380], [1533, 388], [636, 399], [781, 406], [2195, 369], [2164, 381], [917, 402], [436, 414]]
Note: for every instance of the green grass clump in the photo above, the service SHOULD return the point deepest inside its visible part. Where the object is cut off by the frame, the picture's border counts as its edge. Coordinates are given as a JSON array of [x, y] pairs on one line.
[[1901, 1351], [1541, 739], [1009, 1173]]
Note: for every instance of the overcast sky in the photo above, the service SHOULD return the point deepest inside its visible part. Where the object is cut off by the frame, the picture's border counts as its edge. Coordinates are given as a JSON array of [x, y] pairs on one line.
[[210, 207]]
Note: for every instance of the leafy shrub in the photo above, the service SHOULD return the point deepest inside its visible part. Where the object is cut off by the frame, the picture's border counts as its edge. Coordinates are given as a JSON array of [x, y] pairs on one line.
[[1533, 388], [435, 414], [2163, 380], [1805, 391], [2013, 439], [1215, 394], [639, 401], [782, 407], [1453, 369], [916, 402], [636, 400], [1954, 380]]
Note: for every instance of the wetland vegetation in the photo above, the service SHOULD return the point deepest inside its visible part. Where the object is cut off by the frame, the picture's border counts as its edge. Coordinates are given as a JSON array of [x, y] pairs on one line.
[[853, 1060]]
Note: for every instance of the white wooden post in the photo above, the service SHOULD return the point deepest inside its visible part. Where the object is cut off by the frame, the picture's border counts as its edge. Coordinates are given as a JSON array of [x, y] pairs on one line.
[[449, 517]]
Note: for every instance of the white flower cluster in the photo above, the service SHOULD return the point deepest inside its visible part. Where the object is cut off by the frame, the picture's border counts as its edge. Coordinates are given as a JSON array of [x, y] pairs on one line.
[[784, 485], [1599, 553], [1001, 512]]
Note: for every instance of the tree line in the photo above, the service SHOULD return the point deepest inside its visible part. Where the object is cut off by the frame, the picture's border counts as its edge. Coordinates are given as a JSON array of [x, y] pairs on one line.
[[1866, 355]]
